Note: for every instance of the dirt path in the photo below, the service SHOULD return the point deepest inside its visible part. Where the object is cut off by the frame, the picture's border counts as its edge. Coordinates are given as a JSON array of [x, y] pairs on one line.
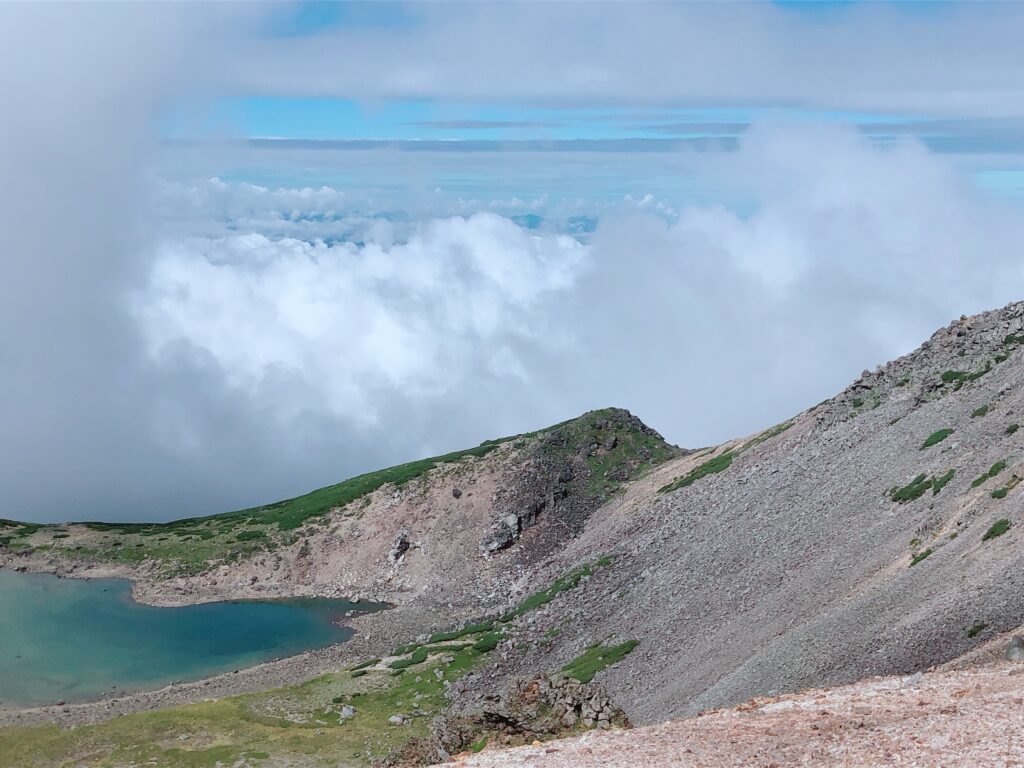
[[943, 718]]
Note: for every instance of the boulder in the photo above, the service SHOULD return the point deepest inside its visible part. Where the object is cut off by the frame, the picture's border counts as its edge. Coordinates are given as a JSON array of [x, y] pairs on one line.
[[399, 546], [1015, 649]]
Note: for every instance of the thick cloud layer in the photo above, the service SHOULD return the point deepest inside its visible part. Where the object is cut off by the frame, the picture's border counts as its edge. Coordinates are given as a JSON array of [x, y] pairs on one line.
[[951, 59], [707, 322]]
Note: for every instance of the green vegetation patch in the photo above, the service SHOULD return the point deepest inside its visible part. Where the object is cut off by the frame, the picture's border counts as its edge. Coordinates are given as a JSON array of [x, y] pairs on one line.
[[723, 461], [487, 642], [920, 556], [999, 527], [596, 658], [417, 657], [469, 629], [916, 488], [962, 377], [976, 629], [1012, 428], [913, 490], [296, 725], [940, 482], [936, 437], [614, 445], [994, 470], [718, 464], [977, 412], [1000, 493], [561, 584]]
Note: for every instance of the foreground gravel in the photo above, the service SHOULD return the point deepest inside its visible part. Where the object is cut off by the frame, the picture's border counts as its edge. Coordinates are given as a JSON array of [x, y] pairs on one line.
[[943, 718]]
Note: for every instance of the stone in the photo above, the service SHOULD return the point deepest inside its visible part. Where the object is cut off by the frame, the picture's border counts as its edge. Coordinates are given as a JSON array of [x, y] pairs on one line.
[[399, 546], [346, 712], [1015, 649], [456, 493], [398, 720]]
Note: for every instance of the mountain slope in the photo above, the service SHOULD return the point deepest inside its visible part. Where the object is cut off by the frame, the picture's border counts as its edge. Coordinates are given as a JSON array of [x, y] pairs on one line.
[[421, 531], [804, 560]]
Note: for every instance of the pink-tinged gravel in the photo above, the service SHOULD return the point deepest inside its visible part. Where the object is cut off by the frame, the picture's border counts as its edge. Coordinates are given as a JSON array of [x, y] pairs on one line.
[[968, 718]]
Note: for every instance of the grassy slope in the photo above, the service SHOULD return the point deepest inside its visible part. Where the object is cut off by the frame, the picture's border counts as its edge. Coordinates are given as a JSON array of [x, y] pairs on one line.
[[296, 725], [192, 545]]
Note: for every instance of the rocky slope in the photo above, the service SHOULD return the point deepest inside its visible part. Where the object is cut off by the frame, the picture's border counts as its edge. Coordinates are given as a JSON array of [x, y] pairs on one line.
[[877, 533], [960, 718]]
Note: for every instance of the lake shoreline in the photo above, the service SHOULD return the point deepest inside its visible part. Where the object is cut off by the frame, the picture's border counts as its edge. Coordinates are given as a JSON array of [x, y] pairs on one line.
[[375, 634]]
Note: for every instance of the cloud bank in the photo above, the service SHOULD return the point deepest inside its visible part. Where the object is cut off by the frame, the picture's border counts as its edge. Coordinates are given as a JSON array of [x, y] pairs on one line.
[[952, 59], [708, 322]]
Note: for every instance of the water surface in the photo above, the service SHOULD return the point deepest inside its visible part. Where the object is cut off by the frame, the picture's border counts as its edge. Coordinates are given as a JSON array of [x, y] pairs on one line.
[[75, 639]]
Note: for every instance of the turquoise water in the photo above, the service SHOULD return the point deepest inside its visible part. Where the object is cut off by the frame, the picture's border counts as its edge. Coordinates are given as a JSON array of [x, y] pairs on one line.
[[74, 639]]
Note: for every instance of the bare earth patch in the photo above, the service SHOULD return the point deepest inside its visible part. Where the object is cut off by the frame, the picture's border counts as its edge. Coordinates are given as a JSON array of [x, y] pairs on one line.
[[943, 718]]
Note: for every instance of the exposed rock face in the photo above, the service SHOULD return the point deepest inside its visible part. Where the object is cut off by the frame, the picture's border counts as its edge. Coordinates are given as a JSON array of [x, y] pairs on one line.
[[537, 707], [399, 546]]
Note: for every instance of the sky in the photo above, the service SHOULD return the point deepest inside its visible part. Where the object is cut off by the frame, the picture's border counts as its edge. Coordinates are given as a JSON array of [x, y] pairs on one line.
[[253, 249]]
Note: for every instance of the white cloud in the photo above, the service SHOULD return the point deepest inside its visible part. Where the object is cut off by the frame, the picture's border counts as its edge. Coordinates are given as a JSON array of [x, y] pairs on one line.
[[349, 320], [707, 322], [954, 59]]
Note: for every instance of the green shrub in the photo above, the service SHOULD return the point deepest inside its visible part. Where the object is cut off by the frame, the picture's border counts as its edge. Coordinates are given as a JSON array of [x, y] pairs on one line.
[[250, 536], [979, 411], [913, 490], [961, 377], [709, 467], [999, 527], [487, 643], [561, 584], [920, 556], [478, 746], [1012, 428], [994, 470], [976, 629], [418, 657], [596, 658], [365, 664], [936, 437], [471, 629], [358, 672], [857, 402], [404, 649], [1000, 493], [940, 482], [1012, 339], [337, 700]]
